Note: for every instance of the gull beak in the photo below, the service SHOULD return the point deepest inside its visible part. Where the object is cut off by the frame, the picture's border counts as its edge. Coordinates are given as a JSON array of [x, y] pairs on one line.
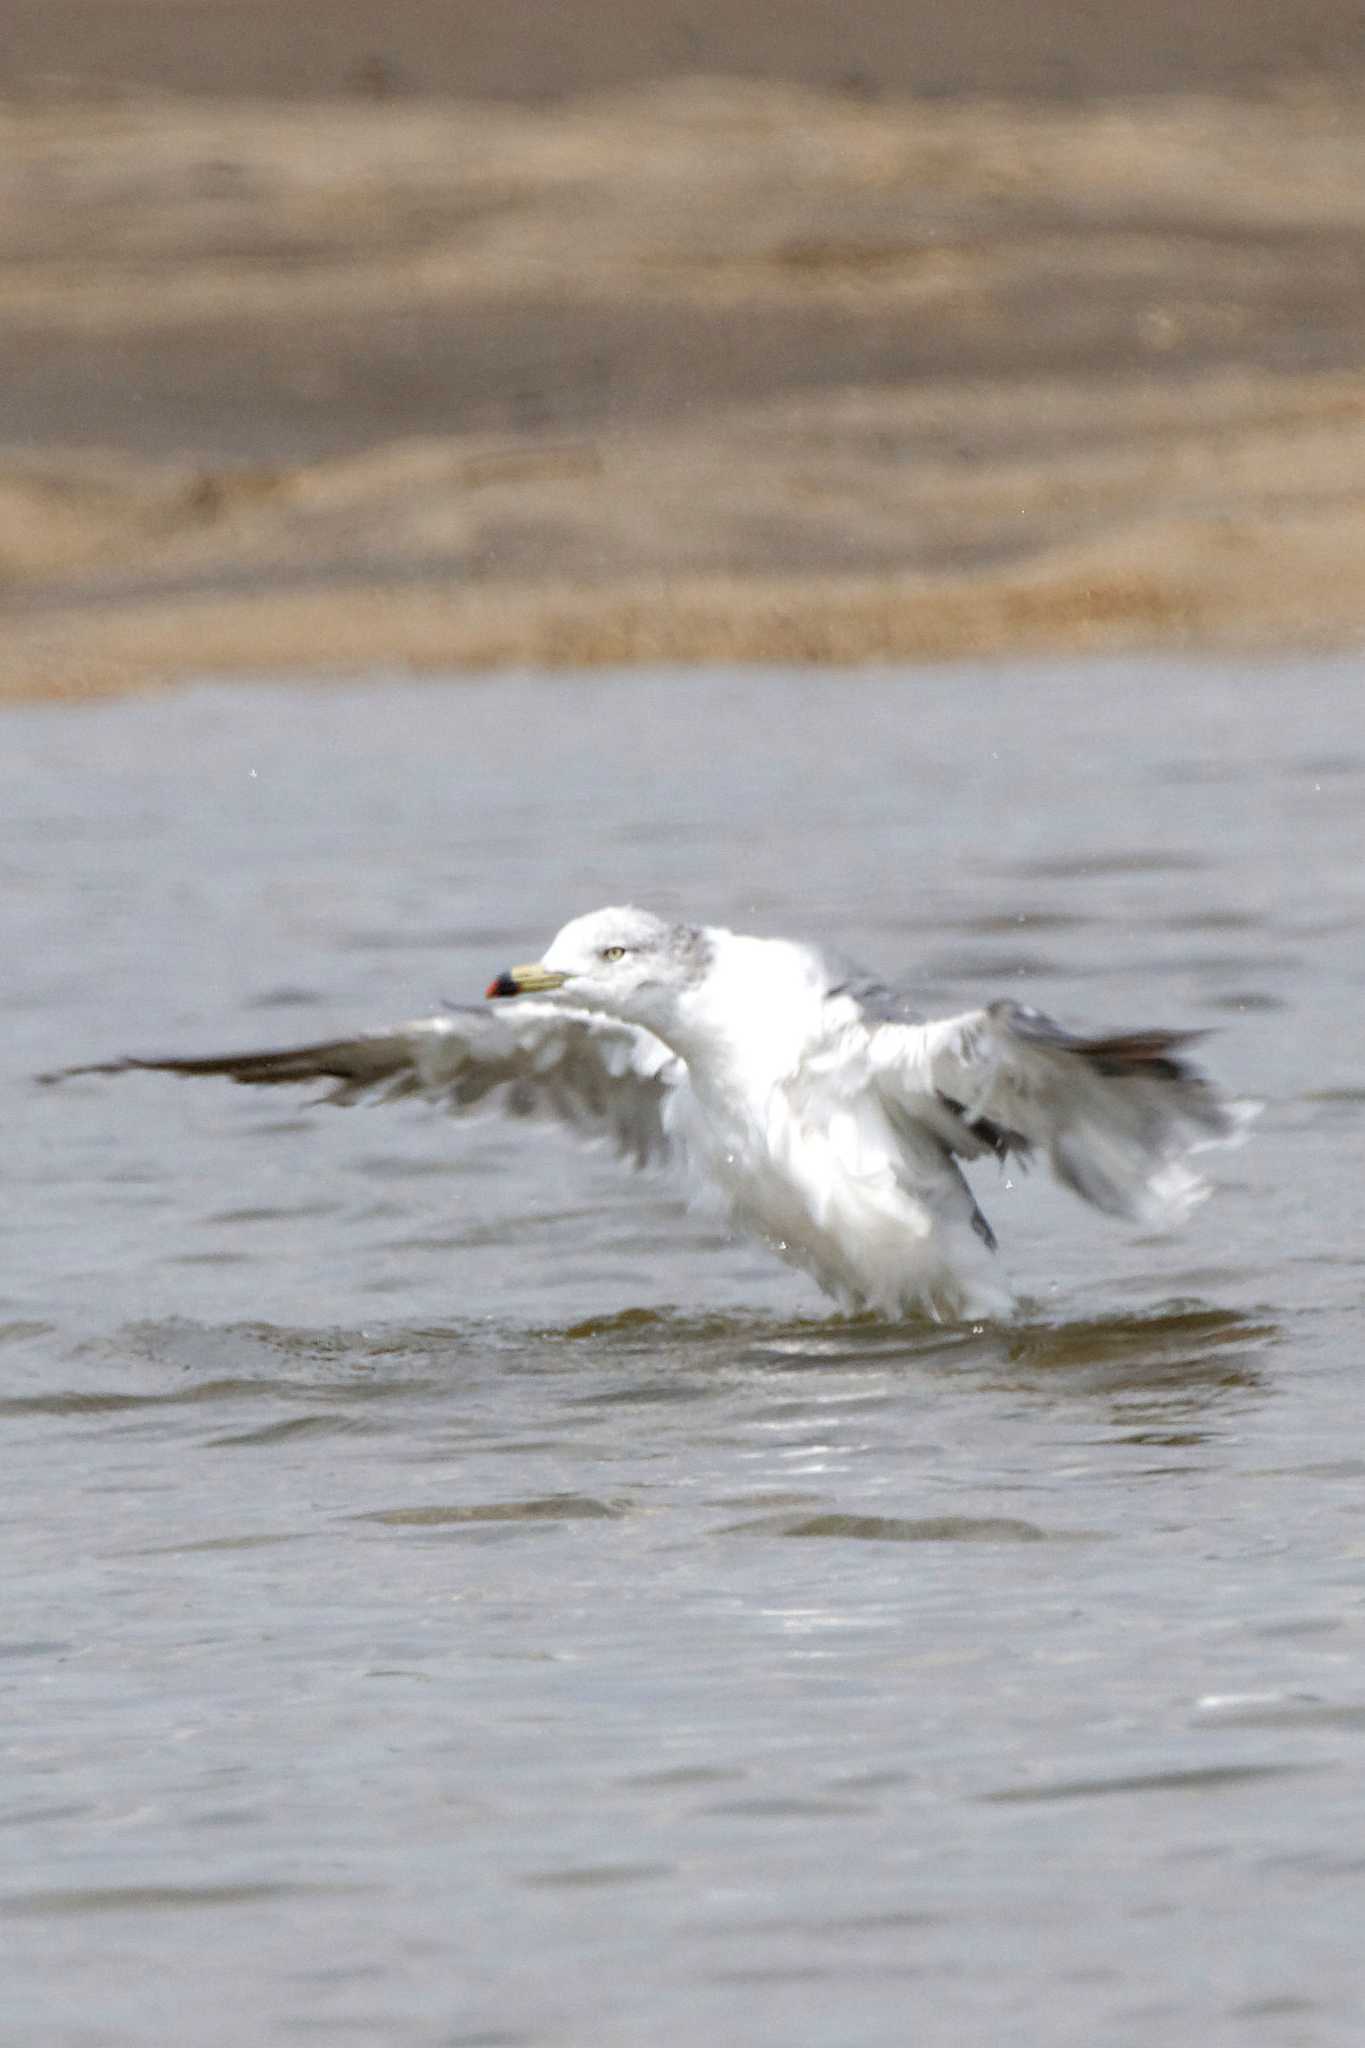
[[532, 980]]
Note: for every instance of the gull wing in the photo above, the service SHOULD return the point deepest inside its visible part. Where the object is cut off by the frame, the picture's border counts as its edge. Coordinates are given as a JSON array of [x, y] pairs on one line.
[[1117, 1116], [529, 1059]]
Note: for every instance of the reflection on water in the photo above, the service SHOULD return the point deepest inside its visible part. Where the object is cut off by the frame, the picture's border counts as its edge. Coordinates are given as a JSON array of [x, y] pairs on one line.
[[454, 1594]]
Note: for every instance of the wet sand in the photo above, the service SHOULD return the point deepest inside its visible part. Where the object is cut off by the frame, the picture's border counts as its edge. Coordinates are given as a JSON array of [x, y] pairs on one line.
[[681, 370]]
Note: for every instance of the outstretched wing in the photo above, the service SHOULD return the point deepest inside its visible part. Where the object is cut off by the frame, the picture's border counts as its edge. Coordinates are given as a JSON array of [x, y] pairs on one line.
[[1117, 1117], [530, 1060]]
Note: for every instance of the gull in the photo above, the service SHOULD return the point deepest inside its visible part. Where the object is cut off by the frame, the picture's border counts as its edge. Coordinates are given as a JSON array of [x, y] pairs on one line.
[[831, 1120]]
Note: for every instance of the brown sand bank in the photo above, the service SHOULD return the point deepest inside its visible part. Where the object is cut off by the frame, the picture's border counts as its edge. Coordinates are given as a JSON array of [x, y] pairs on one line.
[[697, 370], [539, 51]]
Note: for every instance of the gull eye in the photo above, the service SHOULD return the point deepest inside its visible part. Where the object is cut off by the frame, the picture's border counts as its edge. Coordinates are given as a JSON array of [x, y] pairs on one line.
[[613, 952]]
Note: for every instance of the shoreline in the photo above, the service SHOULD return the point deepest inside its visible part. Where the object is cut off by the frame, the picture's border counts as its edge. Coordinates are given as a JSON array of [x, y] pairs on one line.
[[1278, 595], [708, 370]]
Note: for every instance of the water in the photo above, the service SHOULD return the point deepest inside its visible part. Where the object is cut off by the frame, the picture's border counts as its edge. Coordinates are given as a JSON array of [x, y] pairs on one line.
[[454, 1595]]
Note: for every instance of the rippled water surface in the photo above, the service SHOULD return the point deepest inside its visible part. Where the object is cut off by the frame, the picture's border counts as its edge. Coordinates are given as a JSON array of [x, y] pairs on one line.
[[454, 1595]]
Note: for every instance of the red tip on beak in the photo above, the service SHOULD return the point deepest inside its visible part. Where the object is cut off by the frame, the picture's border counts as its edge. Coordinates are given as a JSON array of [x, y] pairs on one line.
[[502, 985]]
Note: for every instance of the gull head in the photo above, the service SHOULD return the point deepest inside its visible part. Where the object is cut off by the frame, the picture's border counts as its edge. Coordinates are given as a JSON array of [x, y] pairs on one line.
[[624, 962]]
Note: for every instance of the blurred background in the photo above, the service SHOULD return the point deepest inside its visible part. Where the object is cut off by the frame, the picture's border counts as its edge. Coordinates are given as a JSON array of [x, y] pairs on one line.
[[439, 334]]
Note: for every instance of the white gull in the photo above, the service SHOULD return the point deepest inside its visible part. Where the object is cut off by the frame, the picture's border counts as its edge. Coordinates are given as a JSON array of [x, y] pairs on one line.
[[831, 1121]]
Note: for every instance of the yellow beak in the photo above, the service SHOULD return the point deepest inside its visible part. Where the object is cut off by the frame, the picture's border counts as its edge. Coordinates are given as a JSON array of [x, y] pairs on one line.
[[531, 980]]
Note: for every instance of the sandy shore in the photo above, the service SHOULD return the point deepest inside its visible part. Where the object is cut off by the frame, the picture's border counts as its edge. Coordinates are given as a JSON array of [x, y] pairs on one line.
[[691, 370]]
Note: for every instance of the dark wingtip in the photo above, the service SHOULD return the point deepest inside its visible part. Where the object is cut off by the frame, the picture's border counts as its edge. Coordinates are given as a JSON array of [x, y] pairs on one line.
[[1112, 1053], [501, 985], [60, 1074]]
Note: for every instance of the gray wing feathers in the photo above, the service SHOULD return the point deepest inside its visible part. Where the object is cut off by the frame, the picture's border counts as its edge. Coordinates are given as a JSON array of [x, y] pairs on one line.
[[606, 1079], [1117, 1116]]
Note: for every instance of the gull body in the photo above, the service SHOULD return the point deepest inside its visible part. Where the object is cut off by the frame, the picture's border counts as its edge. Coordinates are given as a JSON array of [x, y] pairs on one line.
[[831, 1122], [781, 1114]]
